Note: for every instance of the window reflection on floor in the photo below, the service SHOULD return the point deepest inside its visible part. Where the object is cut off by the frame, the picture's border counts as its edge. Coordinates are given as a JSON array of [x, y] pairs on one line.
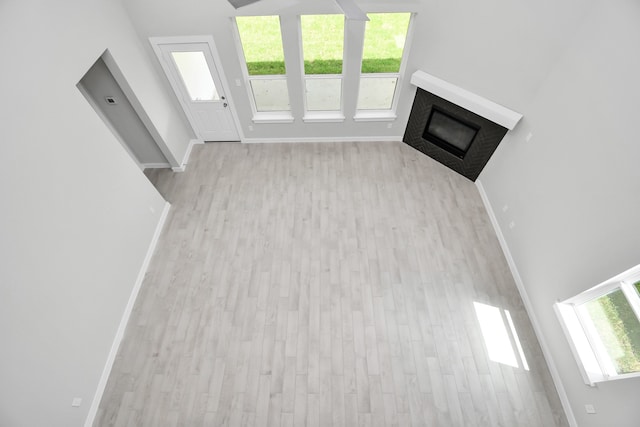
[[499, 339]]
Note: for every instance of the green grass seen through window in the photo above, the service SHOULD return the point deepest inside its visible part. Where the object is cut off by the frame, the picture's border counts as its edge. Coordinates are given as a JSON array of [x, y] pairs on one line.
[[384, 41], [619, 329], [323, 38], [262, 44]]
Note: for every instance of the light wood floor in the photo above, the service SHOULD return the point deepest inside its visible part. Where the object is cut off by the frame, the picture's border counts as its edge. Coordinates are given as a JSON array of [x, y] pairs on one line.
[[323, 285]]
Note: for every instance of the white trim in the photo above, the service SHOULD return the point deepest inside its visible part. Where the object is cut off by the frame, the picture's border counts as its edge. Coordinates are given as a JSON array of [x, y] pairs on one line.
[[555, 375], [472, 102], [185, 158], [323, 117], [93, 410], [341, 139], [120, 79], [572, 329], [284, 116], [374, 116], [345, 60], [155, 165], [590, 353], [273, 117], [157, 42]]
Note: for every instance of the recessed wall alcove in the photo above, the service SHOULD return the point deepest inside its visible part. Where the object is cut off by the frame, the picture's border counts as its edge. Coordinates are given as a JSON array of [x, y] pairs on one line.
[[462, 131]]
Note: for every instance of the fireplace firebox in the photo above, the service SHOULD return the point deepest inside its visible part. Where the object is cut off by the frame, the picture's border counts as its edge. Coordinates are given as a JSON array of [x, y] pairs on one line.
[[451, 134]]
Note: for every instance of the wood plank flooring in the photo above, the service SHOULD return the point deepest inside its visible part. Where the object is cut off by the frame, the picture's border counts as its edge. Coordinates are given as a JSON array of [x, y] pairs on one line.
[[323, 285]]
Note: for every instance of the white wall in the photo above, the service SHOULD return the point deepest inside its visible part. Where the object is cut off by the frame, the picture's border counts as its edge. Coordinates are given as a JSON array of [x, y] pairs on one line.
[[573, 190], [98, 84], [500, 49], [75, 222]]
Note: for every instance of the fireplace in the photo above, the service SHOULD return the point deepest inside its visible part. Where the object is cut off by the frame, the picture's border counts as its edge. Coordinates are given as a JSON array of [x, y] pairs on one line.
[[451, 132]]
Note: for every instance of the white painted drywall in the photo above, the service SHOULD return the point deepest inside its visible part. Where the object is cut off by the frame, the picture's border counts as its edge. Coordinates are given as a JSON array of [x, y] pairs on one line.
[[75, 222], [99, 84], [573, 190], [498, 49]]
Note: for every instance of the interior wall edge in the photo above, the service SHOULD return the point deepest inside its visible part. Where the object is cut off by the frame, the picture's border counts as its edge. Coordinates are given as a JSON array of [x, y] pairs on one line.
[[106, 372], [555, 374]]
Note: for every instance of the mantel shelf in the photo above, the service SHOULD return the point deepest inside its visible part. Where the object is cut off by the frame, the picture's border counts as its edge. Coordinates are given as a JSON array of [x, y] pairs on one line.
[[465, 99]]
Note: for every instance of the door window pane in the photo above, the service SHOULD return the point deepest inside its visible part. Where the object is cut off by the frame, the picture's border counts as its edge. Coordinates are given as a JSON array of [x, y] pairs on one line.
[[323, 94], [376, 93], [384, 41], [196, 75], [617, 329], [322, 43], [270, 94], [262, 44]]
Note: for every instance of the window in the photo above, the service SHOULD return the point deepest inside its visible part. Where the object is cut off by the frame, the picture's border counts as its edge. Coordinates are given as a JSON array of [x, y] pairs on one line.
[[196, 75], [261, 42], [383, 51], [322, 51], [311, 76], [603, 328]]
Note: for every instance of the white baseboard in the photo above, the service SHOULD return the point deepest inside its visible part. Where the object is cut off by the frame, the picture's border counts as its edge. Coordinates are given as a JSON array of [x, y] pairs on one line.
[[93, 410], [562, 394], [324, 139], [154, 165], [185, 158]]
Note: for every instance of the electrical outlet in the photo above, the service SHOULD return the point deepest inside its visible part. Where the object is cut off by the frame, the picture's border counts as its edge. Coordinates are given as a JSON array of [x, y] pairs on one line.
[[238, 82], [505, 208], [529, 136], [250, 128], [152, 210], [590, 409], [389, 125], [76, 402]]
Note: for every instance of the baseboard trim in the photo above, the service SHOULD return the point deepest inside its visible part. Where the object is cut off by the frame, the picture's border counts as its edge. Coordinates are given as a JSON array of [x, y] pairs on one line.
[[155, 165], [553, 370], [323, 139], [185, 158], [93, 410]]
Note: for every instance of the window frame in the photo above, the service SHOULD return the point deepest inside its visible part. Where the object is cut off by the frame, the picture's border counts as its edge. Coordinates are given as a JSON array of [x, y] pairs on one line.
[[323, 116], [350, 78], [594, 364], [362, 115], [284, 116]]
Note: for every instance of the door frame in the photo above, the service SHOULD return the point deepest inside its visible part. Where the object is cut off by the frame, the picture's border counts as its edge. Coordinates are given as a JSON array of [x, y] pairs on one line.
[[156, 42], [122, 82]]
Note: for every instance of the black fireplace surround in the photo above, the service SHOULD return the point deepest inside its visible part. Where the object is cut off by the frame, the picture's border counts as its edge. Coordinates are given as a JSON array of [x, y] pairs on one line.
[[452, 135]]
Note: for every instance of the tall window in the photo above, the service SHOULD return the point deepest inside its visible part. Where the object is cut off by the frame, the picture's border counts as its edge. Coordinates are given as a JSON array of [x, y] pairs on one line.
[[264, 57], [322, 50], [603, 327], [383, 50]]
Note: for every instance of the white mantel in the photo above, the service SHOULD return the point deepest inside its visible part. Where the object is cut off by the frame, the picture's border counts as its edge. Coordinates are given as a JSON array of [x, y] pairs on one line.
[[465, 99]]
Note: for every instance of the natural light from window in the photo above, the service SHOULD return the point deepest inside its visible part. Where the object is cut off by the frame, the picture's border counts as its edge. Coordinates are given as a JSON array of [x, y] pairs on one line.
[[603, 328], [323, 50], [498, 337], [261, 41], [196, 76], [383, 50]]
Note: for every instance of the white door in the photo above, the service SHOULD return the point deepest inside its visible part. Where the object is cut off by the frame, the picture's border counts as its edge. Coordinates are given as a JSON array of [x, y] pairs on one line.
[[193, 75]]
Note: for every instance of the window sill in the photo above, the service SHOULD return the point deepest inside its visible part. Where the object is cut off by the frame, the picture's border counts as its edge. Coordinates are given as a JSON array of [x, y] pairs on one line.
[[375, 116], [323, 117], [274, 117]]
